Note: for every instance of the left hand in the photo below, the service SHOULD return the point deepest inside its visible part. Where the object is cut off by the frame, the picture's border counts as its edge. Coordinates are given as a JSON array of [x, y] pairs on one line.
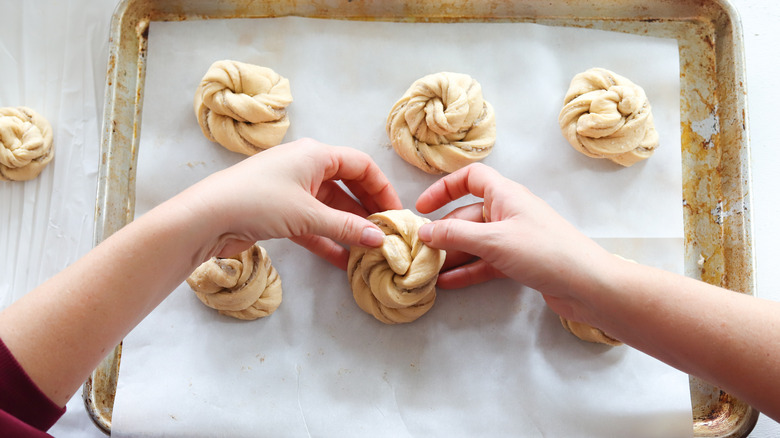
[[290, 191]]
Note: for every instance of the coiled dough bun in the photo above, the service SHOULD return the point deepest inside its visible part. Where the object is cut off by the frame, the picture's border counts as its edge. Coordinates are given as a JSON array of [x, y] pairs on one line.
[[397, 281], [242, 106], [245, 286], [442, 123], [26, 145], [587, 332], [607, 116]]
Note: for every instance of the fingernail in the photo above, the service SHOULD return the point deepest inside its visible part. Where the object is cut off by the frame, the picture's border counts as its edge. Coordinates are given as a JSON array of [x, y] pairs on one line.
[[425, 232], [372, 237]]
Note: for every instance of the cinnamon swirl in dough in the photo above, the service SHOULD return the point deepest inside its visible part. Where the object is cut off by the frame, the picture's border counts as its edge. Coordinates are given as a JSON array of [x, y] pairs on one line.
[[242, 106], [607, 116], [442, 123], [245, 286], [26, 145], [396, 282]]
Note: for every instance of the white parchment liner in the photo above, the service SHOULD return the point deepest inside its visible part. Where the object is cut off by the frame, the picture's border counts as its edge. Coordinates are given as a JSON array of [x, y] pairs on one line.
[[488, 360]]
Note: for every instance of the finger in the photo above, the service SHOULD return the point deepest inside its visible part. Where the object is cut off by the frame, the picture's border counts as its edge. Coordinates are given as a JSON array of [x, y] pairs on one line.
[[472, 179], [471, 212], [344, 227], [457, 258], [460, 235], [332, 195], [467, 275], [363, 177], [369, 201], [325, 248]]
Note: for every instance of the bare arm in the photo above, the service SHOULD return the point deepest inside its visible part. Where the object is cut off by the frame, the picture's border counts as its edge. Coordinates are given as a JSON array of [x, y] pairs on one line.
[[726, 338], [61, 330]]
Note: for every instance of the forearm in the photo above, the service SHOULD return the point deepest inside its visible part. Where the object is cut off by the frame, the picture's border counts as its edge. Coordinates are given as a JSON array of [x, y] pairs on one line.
[[61, 330], [726, 338]]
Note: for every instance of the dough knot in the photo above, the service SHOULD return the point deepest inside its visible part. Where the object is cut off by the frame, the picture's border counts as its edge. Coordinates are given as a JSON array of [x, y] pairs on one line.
[[242, 106], [442, 123], [607, 116], [245, 286], [25, 144], [396, 283]]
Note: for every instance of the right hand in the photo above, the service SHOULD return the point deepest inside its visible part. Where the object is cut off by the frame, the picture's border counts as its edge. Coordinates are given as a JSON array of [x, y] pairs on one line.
[[512, 233]]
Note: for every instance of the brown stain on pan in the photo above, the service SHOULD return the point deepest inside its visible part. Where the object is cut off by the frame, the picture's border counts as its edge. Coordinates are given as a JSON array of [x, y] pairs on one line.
[[701, 197], [729, 418]]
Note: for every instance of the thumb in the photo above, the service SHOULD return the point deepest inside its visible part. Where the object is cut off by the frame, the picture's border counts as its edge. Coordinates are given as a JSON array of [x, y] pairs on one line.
[[457, 234], [347, 228]]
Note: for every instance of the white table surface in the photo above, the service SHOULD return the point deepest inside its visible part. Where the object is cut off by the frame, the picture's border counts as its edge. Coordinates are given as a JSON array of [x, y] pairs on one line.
[[74, 35]]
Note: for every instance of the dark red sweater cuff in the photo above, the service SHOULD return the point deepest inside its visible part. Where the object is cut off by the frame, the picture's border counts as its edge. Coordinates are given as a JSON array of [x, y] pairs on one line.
[[21, 397]]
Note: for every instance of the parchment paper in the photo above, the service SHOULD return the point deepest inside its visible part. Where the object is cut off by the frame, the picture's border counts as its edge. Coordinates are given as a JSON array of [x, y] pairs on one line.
[[487, 360], [53, 59]]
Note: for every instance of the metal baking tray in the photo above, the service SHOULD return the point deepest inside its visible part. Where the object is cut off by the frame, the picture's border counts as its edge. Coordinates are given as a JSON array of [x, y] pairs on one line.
[[713, 118]]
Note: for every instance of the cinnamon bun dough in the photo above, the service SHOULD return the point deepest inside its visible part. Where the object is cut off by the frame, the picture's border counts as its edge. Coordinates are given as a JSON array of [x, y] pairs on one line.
[[242, 106], [26, 144], [245, 286], [442, 123], [587, 332], [607, 116], [396, 283]]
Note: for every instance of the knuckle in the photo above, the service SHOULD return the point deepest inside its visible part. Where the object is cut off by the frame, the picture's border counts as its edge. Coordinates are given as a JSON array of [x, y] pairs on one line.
[[346, 230], [306, 141], [478, 167], [445, 231]]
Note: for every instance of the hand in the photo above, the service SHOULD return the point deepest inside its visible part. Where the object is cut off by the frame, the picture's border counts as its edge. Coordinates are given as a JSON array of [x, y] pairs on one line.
[[511, 233], [291, 191]]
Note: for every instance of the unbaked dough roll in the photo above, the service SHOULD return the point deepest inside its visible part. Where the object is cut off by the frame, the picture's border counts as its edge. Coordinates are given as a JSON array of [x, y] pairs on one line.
[[442, 123], [242, 106], [245, 286], [587, 332], [26, 145], [607, 116], [396, 282]]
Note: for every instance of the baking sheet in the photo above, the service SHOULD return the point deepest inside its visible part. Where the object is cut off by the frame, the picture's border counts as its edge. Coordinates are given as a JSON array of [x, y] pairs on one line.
[[319, 359]]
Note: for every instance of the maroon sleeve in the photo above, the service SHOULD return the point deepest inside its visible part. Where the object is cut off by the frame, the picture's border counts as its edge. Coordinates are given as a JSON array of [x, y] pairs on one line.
[[24, 408]]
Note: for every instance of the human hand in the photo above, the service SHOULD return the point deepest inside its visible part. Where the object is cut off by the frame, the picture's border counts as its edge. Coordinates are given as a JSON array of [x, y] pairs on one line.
[[511, 233], [291, 191]]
